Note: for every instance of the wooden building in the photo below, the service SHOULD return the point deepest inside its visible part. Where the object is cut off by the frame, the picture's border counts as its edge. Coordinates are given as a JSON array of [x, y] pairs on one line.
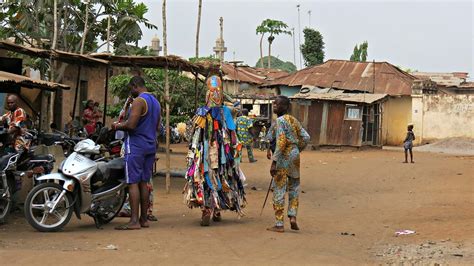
[[340, 119]]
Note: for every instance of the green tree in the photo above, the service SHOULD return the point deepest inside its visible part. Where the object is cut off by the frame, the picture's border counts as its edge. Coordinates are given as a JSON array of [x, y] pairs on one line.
[[211, 58], [360, 52], [313, 47], [32, 22], [274, 28], [181, 92], [278, 64]]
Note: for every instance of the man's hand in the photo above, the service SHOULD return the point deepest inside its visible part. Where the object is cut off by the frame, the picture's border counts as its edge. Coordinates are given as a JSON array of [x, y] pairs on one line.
[[114, 125], [269, 154], [273, 169]]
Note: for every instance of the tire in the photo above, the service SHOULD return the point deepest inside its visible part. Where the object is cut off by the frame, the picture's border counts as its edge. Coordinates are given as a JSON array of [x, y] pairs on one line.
[[64, 204], [6, 205], [119, 206]]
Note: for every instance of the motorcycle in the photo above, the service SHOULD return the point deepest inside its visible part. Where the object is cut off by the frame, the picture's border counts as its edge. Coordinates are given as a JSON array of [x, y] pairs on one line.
[[7, 184], [13, 167], [84, 184]]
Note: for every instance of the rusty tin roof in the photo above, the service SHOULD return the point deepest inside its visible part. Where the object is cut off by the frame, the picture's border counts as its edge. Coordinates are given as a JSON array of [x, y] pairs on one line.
[[352, 76]]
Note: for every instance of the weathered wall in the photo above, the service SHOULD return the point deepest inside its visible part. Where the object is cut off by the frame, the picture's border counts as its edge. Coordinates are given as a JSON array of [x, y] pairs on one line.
[[397, 114], [417, 117], [325, 123], [95, 77], [289, 91], [446, 116]]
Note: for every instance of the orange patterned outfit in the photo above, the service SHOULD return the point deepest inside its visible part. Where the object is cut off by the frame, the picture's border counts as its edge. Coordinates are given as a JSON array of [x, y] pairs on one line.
[[17, 119]]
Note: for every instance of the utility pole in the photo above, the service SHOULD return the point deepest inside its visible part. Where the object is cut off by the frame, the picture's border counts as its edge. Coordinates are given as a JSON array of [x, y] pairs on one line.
[[294, 48], [309, 18], [299, 35], [167, 102]]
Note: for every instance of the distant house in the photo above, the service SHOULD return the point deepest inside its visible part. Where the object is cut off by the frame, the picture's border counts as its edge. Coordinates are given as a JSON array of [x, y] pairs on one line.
[[340, 119], [448, 83], [243, 83], [448, 113], [380, 118]]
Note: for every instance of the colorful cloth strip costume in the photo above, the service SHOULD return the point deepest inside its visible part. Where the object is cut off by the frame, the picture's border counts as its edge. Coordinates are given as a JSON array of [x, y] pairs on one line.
[[214, 179]]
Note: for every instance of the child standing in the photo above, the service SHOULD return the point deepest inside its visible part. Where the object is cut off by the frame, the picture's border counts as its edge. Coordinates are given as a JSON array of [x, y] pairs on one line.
[[408, 143]]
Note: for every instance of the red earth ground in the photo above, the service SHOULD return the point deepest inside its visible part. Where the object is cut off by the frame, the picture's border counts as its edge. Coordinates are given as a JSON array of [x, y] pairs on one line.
[[369, 194]]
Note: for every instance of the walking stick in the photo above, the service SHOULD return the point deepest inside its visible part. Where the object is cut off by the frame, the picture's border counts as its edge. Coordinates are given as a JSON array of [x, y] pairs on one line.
[[266, 197]]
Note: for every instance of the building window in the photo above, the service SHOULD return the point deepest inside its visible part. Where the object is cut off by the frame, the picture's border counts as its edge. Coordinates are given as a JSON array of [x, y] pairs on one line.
[[353, 112]]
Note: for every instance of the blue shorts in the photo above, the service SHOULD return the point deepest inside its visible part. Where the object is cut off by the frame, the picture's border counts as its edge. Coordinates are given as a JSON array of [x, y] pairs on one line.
[[139, 167]]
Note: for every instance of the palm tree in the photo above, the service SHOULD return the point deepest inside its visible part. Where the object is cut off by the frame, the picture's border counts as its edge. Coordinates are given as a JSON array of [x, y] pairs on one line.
[[273, 27], [261, 29]]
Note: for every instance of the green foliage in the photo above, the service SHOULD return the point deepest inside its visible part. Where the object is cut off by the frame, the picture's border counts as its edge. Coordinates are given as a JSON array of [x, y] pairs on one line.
[[211, 58], [360, 52], [278, 64], [181, 91], [31, 22], [313, 47], [273, 27]]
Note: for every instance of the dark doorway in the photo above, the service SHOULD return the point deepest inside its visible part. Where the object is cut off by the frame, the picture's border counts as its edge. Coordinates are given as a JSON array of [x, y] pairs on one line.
[[82, 96], [371, 124]]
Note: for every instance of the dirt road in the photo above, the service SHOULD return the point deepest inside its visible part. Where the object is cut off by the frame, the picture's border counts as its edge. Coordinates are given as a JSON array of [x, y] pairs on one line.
[[352, 205]]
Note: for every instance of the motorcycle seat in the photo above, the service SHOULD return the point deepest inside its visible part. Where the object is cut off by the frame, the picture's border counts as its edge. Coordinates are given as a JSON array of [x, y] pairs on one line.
[[116, 164], [113, 169], [42, 157]]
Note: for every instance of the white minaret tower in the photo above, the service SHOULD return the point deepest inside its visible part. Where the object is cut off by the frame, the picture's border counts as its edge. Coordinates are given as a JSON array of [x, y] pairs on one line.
[[155, 45], [220, 48]]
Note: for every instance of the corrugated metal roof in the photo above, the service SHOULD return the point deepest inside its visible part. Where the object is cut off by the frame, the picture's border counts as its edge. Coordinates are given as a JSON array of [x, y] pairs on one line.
[[443, 79], [251, 74], [343, 97], [352, 76], [104, 59], [13, 79]]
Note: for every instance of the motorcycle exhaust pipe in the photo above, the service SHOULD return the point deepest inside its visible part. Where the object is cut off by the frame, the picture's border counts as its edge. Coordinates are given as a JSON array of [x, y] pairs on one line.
[[106, 194]]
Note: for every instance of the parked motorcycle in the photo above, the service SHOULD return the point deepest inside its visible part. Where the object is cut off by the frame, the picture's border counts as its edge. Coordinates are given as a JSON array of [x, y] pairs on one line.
[[13, 167], [7, 184], [85, 184]]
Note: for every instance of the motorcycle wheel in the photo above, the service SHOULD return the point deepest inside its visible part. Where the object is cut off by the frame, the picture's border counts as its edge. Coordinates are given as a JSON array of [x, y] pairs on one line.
[[116, 206], [6, 203], [38, 203]]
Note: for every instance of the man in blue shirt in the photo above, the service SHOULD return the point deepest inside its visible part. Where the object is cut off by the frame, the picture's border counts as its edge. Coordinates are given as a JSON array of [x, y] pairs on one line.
[[140, 148]]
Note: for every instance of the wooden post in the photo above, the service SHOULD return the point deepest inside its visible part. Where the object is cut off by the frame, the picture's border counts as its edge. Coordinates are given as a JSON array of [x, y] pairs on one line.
[[106, 93], [84, 34], [77, 92], [167, 102], [197, 55]]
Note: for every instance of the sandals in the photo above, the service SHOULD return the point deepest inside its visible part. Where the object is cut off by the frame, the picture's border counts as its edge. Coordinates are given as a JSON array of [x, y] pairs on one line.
[[151, 217], [294, 225]]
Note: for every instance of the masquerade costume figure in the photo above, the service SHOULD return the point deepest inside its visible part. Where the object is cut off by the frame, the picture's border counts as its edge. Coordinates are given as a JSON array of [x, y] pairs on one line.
[[214, 179]]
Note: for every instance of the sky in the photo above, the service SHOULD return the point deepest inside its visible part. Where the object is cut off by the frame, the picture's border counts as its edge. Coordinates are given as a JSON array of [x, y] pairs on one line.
[[431, 36]]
